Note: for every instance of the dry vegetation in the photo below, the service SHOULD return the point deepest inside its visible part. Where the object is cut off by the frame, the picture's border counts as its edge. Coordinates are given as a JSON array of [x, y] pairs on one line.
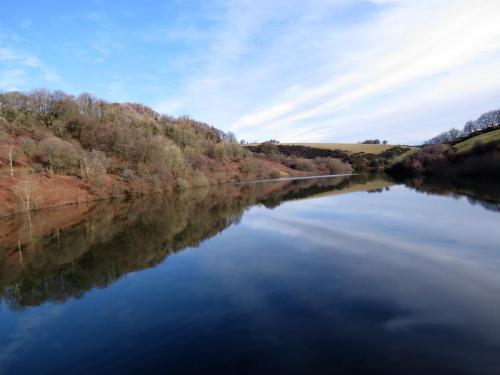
[[310, 163], [107, 149], [348, 147], [481, 161], [473, 152], [308, 156]]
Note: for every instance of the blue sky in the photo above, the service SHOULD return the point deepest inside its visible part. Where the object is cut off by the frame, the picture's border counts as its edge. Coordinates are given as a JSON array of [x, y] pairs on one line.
[[310, 71]]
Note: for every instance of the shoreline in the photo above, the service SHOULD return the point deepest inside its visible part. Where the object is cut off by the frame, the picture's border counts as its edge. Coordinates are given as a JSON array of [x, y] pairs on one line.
[[89, 198], [295, 178]]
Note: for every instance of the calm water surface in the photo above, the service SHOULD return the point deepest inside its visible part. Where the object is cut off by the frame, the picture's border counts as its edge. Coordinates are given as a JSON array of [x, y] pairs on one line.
[[339, 275]]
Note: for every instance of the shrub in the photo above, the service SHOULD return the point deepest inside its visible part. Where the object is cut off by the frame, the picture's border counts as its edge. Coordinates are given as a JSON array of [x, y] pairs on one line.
[[247, 166], [94, 165], [431, 160], [302, 164], [225, 151], [183, 136], [269, 148], [219, 177], [260, 169], [199, 179], [181, 184], [336, 166], [127, 174], [37, 167], [274, 173], [58, 155], [4, 137], [28, 145]]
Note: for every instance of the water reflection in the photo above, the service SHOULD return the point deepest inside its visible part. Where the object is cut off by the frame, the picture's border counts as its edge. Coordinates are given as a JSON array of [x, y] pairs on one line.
[[351, 275], [61, 253], [478, 192]]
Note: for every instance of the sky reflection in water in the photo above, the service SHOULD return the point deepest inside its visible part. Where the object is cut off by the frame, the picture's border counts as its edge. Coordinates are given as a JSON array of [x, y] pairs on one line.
[[295, 277]]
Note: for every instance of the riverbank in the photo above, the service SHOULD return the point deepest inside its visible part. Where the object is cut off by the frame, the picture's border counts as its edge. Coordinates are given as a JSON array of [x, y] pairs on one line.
[[43, 191], [21, 230]]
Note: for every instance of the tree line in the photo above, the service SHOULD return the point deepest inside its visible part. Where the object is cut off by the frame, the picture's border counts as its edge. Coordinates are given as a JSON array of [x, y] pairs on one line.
[[489, 120], [121, 148], [54, 132]]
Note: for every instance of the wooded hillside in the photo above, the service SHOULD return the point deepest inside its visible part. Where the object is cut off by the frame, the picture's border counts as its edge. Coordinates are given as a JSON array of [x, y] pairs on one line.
[[80, 147]]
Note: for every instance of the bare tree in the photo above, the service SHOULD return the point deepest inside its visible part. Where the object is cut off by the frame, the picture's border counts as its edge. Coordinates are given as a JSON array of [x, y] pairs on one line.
[[469, 127], [20, 252], [11, 164], [24, 191]]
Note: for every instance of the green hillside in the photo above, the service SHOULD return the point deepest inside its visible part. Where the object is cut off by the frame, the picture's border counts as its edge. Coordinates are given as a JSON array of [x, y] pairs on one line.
[[484, 138]]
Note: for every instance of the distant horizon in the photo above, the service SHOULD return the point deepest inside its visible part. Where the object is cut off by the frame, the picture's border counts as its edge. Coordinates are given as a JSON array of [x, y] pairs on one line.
[[304, 72]]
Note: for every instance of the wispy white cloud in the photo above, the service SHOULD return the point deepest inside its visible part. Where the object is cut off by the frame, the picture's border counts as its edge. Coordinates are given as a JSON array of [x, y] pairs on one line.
[[380, 257], [12, 79], [25, 24], [24, 332], [25, 59], [334, 70], [17, 67], [318, 70]]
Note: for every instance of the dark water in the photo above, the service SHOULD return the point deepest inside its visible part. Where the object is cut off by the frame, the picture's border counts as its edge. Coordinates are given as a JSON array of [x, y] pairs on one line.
[[343, 276]]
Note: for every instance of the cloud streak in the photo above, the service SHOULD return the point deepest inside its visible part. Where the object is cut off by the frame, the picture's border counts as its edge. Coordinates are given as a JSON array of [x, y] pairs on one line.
[[309, 73], [17, 67], [321, 70]]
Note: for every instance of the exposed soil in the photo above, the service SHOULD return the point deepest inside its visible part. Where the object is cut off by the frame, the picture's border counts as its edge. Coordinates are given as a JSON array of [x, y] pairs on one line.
[[49, 191], [46, 192]]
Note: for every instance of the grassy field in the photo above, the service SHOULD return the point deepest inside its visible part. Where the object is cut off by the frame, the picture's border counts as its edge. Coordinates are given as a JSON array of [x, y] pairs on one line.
[[349, 147], [486, 137], [371, 185], [407, 153]]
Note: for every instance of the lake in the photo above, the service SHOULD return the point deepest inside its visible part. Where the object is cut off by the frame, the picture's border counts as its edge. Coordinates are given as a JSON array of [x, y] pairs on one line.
[[344, 275]]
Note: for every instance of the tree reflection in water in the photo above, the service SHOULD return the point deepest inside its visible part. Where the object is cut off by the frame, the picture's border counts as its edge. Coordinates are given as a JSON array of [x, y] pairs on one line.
[[57, 254], [62, 253]]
